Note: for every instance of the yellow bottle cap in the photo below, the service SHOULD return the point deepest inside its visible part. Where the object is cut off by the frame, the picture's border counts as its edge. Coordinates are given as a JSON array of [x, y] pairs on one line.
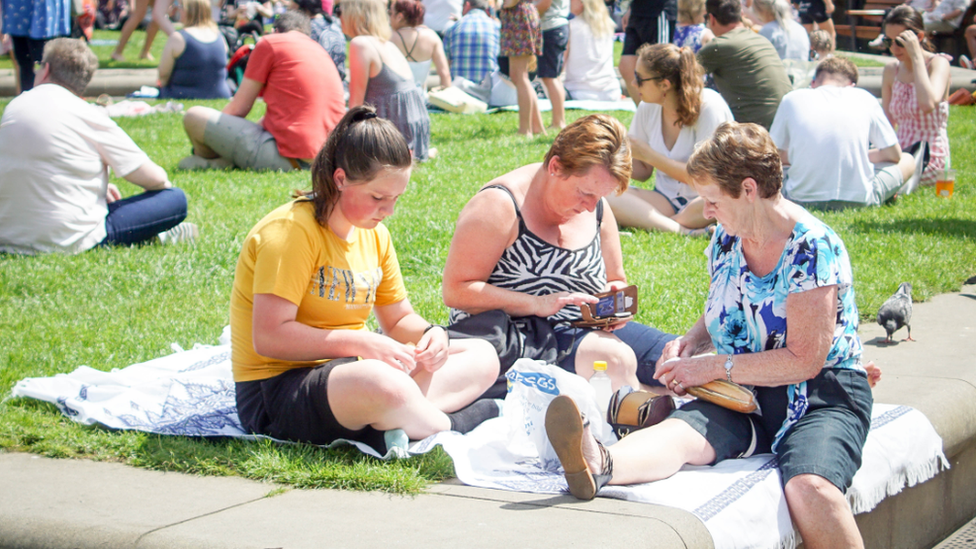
[[600, 366]]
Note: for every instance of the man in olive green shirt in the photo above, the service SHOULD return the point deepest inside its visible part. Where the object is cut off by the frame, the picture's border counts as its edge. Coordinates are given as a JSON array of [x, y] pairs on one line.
[[747, 70]]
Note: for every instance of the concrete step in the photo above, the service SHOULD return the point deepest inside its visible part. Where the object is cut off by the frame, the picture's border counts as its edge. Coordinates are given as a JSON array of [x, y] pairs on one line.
[[963, 538], [114, 82]]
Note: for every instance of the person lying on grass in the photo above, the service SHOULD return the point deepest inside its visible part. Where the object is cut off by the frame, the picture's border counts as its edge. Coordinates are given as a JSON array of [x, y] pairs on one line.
[[55, 154], [305, 364]]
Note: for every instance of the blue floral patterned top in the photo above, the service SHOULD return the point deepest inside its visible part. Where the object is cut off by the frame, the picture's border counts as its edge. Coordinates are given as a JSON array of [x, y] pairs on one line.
[[38, 19], [689, 36], [745, 313]]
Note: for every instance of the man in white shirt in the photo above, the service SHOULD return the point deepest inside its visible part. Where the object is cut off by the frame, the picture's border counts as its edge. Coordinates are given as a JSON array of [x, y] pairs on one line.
[[55, 153], [946, 17], [440, 15], [825, 135]]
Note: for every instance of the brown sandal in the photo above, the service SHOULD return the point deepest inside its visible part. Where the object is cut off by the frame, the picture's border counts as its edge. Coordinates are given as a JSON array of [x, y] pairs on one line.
[[564, 427]]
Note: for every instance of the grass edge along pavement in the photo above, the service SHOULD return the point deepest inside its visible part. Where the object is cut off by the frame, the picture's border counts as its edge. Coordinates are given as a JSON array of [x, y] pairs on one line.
[[109, 308]]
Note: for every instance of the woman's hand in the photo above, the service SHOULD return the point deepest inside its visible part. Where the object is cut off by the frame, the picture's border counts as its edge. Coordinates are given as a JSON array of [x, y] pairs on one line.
[[112, 194], [550, 304], [432, 349], [909, 41], [677, 374], [386, 349]]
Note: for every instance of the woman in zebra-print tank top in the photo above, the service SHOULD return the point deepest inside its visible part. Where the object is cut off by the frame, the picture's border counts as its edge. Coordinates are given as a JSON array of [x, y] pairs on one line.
[[540, 241]]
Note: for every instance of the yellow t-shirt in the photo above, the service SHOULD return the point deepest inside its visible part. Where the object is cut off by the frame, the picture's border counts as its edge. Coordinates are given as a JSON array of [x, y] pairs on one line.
[[335, 283]]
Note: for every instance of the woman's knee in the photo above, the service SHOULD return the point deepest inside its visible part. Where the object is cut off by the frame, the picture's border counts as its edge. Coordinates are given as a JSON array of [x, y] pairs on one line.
[[195, 121], [372, 383], [620, 357], [809, 490], [480, 360]]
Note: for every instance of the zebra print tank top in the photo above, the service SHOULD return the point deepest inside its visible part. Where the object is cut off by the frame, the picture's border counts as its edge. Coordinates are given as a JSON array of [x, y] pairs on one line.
[[533, 266]]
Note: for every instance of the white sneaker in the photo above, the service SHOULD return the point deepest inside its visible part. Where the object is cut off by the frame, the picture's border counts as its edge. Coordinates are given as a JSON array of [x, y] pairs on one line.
[[182, 233], [877, 43], [965, 63], [194, 162]]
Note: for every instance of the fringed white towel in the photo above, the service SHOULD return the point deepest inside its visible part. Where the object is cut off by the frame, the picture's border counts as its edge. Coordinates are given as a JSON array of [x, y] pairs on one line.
[[741, 502]]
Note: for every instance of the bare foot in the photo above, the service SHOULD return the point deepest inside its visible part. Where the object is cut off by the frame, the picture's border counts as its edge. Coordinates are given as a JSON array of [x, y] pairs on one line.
[[118, 57], [874, 373], [147, 56], [556, 127]]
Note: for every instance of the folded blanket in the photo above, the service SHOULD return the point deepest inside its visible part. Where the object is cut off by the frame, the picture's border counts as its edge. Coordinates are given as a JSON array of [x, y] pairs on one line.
[[741, 501]]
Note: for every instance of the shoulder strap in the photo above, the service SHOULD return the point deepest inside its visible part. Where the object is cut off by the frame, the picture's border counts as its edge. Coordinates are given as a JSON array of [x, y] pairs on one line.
[[518, 212], [409, 54]]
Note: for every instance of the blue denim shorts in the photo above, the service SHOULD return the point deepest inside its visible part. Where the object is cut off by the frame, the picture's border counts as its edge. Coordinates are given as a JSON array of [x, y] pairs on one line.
[[648, 344], [827, 441]]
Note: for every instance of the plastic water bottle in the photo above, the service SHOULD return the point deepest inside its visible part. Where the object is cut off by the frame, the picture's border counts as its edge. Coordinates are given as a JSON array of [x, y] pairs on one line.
[[600, 382]]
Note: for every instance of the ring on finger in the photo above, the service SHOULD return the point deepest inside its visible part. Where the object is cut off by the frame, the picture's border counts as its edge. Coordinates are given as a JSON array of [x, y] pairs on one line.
[[680, 385]]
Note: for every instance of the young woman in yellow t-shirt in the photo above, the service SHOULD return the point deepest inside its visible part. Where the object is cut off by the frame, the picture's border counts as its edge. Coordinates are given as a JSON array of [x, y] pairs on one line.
[[305, 364]]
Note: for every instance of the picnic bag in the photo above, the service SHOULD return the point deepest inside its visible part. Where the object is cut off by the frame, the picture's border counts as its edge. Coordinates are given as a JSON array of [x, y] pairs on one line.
[[532, 384]]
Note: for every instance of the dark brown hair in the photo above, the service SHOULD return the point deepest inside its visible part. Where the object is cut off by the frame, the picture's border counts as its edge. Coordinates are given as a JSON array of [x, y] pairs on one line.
[[911, 19], [411, 10], [594, 140], [735, 152], [362, 144], [681, 68]]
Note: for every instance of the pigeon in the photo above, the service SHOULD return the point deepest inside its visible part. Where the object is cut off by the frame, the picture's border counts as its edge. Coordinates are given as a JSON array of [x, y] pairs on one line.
[[897, 312]]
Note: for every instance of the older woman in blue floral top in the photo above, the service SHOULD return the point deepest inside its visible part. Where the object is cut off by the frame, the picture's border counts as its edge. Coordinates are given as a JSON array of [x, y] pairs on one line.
[[781, 317]]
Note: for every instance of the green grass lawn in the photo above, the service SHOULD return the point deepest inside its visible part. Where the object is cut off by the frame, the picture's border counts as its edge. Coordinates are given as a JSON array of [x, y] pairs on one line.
[[103, 50], [109, 308]]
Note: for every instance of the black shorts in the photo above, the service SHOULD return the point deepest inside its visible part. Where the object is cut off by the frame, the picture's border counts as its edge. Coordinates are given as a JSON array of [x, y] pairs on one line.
[[554, 43], [827, 441], [294, 406], [647, 30], [812, 11]]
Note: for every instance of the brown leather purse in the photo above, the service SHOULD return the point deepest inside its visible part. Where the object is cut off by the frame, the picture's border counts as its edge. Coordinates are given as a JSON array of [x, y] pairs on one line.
[[632, 410]]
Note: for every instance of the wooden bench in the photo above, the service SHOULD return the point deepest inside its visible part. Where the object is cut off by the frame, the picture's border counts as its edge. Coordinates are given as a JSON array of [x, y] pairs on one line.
[[864, 20]]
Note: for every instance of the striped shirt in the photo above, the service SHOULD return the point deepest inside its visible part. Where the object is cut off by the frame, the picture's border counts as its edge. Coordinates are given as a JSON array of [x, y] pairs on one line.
[[472, 46]]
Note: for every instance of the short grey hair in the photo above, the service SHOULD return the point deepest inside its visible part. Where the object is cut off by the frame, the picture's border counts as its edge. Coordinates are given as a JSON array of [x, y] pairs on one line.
[[293, 21], [478, 4], [72, 63]]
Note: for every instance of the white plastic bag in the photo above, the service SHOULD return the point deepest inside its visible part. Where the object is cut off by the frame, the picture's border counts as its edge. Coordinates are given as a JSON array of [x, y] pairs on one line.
[[532, 384]]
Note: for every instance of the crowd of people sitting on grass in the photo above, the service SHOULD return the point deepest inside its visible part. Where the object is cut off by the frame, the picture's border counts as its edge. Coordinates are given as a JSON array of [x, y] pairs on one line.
[[742, 161]]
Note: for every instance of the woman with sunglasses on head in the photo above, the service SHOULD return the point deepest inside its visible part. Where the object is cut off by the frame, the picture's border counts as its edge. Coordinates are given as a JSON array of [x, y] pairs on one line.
[[306, 366], [915, 89], [676, 113]]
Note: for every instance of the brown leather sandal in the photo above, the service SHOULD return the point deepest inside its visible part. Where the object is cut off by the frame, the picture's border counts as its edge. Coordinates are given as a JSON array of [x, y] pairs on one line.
[[564, 427]]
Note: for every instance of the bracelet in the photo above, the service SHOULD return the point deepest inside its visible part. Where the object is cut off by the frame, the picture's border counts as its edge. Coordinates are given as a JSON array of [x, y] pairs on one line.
[[432, 326]]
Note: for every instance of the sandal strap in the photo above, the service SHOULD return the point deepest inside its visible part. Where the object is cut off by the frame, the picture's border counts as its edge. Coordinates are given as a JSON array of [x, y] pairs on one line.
[[606, 474]]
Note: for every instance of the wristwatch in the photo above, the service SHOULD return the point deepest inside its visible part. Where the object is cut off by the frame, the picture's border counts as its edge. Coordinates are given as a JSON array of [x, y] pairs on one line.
[[728, 368]]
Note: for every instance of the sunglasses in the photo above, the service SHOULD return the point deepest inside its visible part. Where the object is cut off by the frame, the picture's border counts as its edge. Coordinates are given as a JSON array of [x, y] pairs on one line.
[[640, 81], [888, 42]]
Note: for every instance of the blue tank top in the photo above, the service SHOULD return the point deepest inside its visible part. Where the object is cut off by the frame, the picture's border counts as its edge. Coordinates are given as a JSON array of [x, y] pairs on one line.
[[200, 73]]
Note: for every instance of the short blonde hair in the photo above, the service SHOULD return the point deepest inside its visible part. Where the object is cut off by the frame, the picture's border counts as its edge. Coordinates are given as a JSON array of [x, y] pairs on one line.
[[197, 13], [736, 152], [594, 140], [368, 17]]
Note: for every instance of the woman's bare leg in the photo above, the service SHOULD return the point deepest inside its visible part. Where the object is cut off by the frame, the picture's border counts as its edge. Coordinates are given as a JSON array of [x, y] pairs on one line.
[[821, 513], [150, 37], [620, 358], [471, 369], [530, 119], [644, 209], [370, 392], [135, 17]]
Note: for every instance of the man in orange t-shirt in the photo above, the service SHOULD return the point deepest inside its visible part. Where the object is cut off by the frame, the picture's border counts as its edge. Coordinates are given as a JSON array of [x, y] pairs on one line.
[[304, 95]]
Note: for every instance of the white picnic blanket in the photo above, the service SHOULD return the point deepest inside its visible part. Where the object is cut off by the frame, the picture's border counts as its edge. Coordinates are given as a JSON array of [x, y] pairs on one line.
[[741, 502]]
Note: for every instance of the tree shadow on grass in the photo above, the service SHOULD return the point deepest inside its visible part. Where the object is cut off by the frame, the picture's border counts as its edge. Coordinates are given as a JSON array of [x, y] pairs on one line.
[[947, 227]]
